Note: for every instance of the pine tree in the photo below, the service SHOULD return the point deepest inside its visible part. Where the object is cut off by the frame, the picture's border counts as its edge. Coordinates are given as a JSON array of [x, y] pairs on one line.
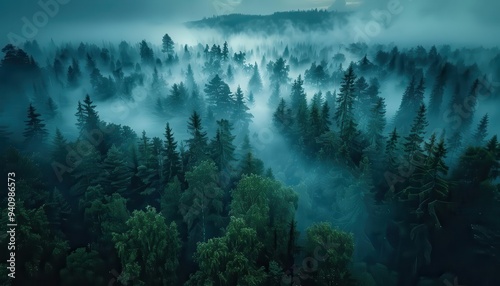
[[230, 73], [282, 118], [278, 71], [413, 97], [298, 96], [363, 102], [197, 144], [90, 115], [167, 45], [225, 52], [436, 98], [345, 102], [481, 133], [117, 173], [255, 83], [59, 152], [172, 163], [222, 148], [35, 131], [274, 99], [417, 132], [80, 117], [241, 115], [190, 81], [201, 203], [392, 151], [219, 97], [376, 126], [147, 55]]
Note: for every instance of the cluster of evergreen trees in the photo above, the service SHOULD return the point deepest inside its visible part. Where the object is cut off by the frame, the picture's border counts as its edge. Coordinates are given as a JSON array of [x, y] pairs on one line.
[[206, 210]]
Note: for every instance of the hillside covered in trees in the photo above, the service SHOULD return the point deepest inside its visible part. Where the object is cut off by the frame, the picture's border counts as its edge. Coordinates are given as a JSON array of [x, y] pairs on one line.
[[297, 163]]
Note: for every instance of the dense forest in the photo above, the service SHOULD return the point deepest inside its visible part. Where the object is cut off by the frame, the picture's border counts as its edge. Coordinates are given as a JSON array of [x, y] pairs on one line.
[[286, 163]]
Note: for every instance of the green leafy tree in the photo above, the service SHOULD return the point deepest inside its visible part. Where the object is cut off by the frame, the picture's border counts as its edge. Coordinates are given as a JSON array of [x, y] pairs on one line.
[[230, 259], [201, 202], [83, 268], [148, 249], [335, 248]]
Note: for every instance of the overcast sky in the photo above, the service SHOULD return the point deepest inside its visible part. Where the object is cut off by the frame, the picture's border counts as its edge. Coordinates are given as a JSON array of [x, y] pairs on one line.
[[459, 17]]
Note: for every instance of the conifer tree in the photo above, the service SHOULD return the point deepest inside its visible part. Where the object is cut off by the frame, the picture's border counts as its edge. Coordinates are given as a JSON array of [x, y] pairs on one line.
[[35, 131], [255, 83], [59, 152], [197, 143], [416, 136], [117, 173], [274, 99], [436, 97], [167, 45], [481, 132], [219, 97], [241, 115], [201, 203], [172, 163], [222, 148], [376, 126], [345, 103]]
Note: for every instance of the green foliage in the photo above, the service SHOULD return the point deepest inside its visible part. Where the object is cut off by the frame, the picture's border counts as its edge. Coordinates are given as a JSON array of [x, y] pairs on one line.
[[35, 131], [230, 259], [333, 250], [148, 249], [201, 203], [84, 268]]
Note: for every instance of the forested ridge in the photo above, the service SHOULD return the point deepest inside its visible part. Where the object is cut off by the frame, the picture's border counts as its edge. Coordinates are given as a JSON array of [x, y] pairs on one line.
[[327, 188]]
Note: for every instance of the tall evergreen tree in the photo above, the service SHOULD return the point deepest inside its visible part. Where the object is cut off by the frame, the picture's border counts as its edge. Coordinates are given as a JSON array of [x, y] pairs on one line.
[[255, 83], [436, 97], [344, 114], [172, 163], [35, 131], [241, 115], [117, 174], [59, 143], [167, 45], [219, 97], [222, 148], [197, 144], [415, 138], [479, 137]]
